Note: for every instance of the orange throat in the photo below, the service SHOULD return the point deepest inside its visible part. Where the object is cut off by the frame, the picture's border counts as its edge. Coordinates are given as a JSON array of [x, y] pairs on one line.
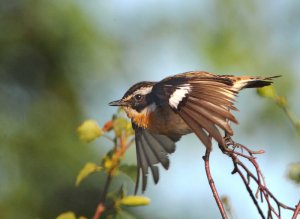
[[142, 119]]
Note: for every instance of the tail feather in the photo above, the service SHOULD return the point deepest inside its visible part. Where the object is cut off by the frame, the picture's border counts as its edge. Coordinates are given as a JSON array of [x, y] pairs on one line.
[[253, 82], [257, 84]]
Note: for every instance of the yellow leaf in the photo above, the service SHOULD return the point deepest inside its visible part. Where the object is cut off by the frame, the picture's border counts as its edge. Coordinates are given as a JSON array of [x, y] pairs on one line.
[[66, 215], [107, 163], [120, 125], [129, 129], [89, 130], [110, 164], [294, 172], [267, 91], [87, 170], [134, 200]]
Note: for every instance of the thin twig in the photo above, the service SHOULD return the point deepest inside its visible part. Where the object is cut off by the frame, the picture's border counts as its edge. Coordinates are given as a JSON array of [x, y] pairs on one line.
[[297, 211], [246, 183], [212, 185], [265, 194], [108, 138]]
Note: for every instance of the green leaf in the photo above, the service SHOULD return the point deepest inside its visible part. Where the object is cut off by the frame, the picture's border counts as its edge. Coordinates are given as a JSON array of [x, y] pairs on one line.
[[67, 215], [134, 200], [129, 170], [121, 214], [89, 130], [88, 169]]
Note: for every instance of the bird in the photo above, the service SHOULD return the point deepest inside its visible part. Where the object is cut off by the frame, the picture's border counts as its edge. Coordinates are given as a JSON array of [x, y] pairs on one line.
[[191, 102]]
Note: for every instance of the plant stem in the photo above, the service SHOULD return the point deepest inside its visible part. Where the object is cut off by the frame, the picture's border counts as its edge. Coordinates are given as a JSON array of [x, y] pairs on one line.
[[293, 119], [101, 205], [105, 189]]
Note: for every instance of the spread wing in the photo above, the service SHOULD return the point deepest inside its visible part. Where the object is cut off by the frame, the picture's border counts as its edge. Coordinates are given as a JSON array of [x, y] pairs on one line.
[[151, 149], [202, 100]]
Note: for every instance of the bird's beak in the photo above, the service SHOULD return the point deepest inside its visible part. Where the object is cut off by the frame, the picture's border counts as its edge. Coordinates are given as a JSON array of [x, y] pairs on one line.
[[118, 103]]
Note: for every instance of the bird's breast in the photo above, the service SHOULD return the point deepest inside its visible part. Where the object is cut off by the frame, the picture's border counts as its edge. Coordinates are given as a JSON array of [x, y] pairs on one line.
[[161, 120], [165, 121]]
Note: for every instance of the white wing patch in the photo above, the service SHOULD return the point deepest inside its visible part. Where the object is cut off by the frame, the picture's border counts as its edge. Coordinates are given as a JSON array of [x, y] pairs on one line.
[[178, 95]]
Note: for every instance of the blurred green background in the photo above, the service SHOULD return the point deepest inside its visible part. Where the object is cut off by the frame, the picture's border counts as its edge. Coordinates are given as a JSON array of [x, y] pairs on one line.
[[61, 62]]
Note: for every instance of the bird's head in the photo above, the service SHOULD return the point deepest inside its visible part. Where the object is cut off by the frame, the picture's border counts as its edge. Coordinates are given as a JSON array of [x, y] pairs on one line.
[[138, 102]]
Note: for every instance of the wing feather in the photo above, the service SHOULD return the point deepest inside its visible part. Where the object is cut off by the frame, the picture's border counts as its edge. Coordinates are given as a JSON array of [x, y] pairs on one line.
[[204, 122], [198, 130], [204, 102], [151, 149], [215, 108], [158, 150], [215, 99], [150, 158], [166, 143], [141, 164], [213, 117]]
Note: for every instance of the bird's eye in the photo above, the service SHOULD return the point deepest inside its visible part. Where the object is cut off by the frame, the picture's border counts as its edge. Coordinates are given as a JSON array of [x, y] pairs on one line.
[[138, 97]]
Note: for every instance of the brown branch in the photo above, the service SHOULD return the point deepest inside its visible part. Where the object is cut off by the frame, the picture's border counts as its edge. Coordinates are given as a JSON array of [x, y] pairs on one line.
[[101, 206], [246, 183], [106, 186], [212, 185], [262, 191], [297, 211], [100, 209]]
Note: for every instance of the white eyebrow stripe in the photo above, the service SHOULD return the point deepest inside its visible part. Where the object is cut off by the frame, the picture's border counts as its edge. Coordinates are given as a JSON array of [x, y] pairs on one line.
[[143, 90], [178, 95]]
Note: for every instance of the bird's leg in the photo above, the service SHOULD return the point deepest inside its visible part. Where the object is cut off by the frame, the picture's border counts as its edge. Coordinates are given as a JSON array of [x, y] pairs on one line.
[[227, 141]]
